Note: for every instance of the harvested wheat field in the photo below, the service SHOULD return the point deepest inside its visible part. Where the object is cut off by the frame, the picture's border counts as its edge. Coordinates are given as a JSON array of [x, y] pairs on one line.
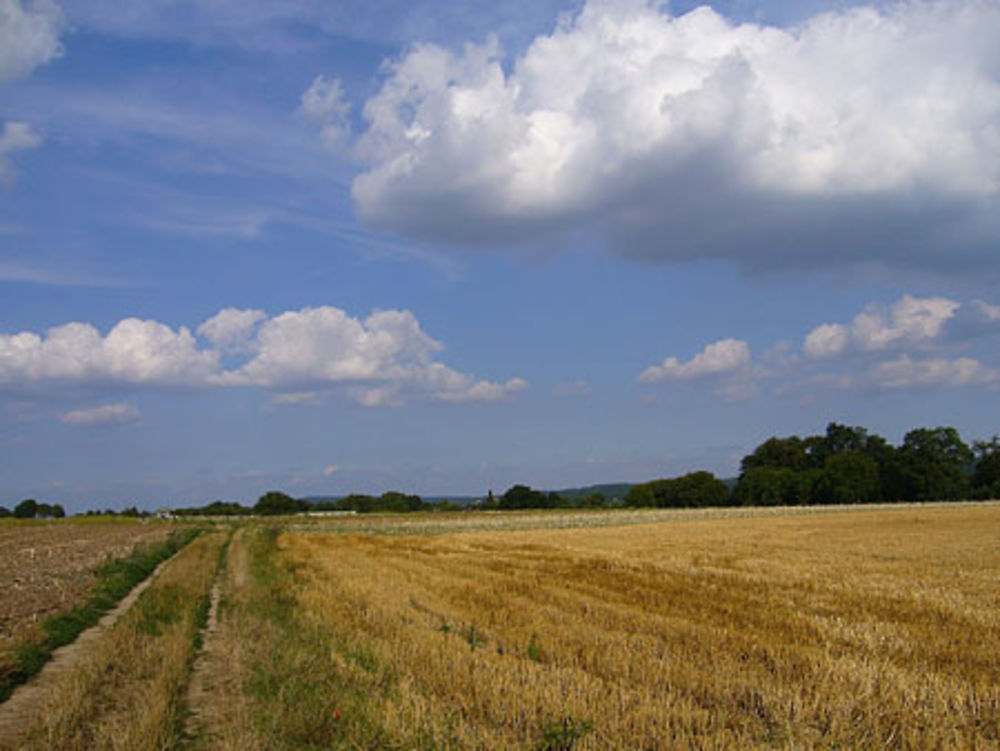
[[861, 629]]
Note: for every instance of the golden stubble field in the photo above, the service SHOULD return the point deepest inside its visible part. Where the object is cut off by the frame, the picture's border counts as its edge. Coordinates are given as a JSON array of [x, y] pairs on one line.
[[862, 629]]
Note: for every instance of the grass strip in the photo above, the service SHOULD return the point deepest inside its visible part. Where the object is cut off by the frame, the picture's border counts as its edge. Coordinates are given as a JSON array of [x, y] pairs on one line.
[[128, 690], [288, 694], [115, 579]]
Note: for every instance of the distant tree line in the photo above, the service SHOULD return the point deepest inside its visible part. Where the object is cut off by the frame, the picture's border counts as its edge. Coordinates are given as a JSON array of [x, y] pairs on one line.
[[275, 503], [130, 512], [29, 508], [525, 497], [851, 465], [693, 490], [215, 508], [845, 465]]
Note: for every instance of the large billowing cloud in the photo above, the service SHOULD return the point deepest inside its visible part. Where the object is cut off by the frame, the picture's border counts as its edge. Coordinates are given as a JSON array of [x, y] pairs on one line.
[[384, 359], [865, 134], [133, 352], [916, 342], [378, 359]]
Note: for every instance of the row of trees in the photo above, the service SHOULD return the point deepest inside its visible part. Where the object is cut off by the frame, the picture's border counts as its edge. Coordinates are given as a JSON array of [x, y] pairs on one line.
[[693, 490], [844, 465], [525, 497], [29, 508], [851, 465], [275, 503]]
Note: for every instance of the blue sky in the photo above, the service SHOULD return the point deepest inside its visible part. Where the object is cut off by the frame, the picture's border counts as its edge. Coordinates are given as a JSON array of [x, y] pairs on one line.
[[443, 248]]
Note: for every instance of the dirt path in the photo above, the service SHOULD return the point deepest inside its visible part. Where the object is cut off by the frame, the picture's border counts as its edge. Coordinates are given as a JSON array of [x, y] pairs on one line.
[[199, 729], [27, 699], [199, 693]]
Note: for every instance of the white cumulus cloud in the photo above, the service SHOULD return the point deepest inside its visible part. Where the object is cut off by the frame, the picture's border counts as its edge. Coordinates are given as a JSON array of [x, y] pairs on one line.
[[827, 340], [724, 356], [692, 135], [906, 372], [108, 414], [379, 359], [915, 342], [910, 321], [29, 36], [133, 352], [384, 359], [231, 328], [16, 136]]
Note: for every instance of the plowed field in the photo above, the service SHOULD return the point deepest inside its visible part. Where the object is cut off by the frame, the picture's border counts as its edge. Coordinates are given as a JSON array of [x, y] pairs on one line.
[[48, 568]]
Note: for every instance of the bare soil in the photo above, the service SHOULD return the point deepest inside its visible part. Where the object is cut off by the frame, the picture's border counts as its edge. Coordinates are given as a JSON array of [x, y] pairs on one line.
[[48, 568], [27, 699]]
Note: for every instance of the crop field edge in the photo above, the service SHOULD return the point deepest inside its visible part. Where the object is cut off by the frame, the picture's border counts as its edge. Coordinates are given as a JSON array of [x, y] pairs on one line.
[[115, 579]]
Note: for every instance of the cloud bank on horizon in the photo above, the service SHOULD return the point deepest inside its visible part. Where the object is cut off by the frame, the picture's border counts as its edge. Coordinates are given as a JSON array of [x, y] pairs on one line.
[[302, 355], [912, 343], [863, 135]]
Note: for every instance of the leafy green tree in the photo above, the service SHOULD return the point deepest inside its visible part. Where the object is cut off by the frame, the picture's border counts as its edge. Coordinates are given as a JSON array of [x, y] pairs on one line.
[[640, 496], [4, 511], [843, 439], [275, 502], [399, 502], [522, 497], [934, 465], [778, 453], [363, 504], [986, 475], [767, 486], [58, 512], [26, 509], [701, 489], [695, 489], [849, 477]]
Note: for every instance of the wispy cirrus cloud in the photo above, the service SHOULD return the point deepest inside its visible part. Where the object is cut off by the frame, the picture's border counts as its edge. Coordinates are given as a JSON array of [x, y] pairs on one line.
[[119, 413]]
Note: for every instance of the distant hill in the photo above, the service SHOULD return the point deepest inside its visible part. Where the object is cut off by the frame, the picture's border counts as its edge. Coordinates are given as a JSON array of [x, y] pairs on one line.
[[608, 490]]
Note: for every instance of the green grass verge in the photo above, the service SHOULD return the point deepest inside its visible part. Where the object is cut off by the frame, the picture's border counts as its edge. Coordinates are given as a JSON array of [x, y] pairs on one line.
[[115, 579], [301, 701]]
